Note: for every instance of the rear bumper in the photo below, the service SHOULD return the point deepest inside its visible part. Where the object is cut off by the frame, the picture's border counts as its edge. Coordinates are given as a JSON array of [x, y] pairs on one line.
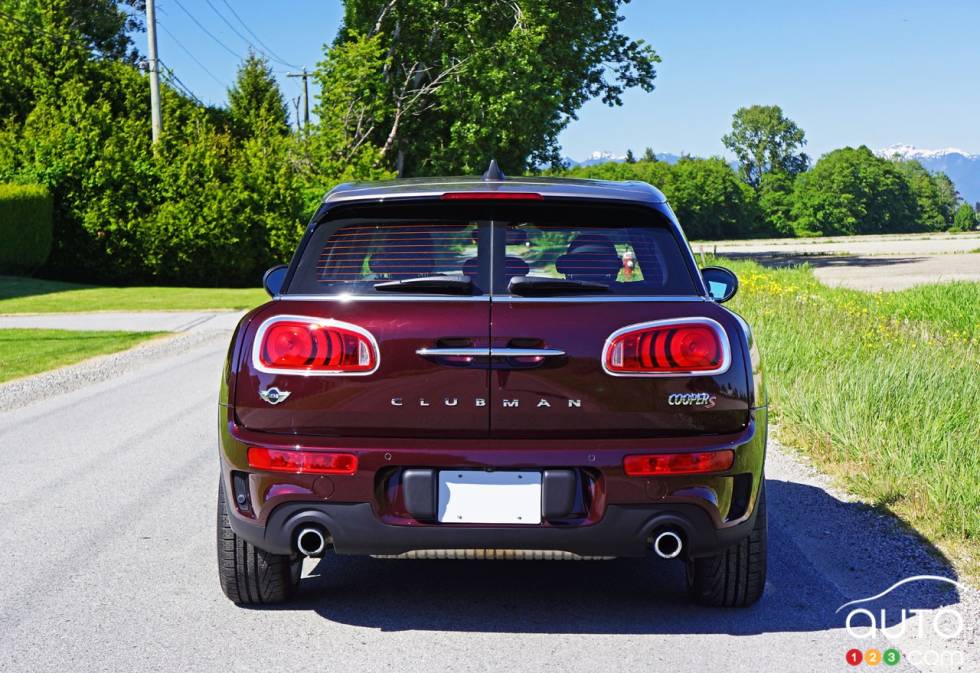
[[624, 530], [365, 513]]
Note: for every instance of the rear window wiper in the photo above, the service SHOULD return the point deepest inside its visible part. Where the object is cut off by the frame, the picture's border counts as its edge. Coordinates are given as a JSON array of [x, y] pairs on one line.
[[539, 285], [448, 284]]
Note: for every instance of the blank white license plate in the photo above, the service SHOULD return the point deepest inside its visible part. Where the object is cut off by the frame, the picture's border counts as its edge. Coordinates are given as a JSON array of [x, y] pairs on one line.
[[477, 496]]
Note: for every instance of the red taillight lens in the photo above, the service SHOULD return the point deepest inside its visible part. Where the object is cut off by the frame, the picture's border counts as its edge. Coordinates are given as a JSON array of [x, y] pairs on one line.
[[657, 464], [696, 346], [496, 196], [288, 345], [325, 347], [301, 462]]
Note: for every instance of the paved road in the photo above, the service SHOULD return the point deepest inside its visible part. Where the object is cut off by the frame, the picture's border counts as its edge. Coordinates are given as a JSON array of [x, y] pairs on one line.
[[891, 262], [107, 552]]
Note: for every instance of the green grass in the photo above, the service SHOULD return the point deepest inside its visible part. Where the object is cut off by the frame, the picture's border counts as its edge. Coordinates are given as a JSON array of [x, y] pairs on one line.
[[29, 351], [882, 390], [29, 295]]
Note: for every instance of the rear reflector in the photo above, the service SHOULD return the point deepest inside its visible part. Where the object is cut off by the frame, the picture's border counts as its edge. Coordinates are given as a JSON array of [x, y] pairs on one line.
[[497, 196], [297, 461], [680, 347], [312, 346], [658, 464]]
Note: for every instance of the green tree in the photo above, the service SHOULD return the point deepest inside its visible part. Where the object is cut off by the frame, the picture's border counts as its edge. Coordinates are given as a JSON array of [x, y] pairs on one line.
[[255, 103], [764, 140], [47, 43], [708, 197], [935, 195], [965, 219], [851, 191], [648, 155], [630, 159], [776, 204], [710, 200], [463, 82]]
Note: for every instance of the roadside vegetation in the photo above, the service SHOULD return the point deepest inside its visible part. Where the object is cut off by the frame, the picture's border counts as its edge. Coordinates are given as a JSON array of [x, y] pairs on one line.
[[30, 351], [881, 390], [29, 295]]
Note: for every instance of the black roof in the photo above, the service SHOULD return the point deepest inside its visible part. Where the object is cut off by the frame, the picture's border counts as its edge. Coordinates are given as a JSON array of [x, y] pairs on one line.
[[633, 190]]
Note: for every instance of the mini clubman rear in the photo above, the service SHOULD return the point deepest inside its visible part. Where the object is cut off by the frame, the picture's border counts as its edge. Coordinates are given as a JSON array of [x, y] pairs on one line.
[[483, 368]]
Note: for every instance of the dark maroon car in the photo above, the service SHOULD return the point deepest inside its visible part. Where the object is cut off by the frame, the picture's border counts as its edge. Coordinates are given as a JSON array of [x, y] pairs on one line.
[[493, 368]]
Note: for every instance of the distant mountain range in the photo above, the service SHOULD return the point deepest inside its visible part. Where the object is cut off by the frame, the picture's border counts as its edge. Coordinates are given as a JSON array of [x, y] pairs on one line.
[[962, 167], [603, 157]]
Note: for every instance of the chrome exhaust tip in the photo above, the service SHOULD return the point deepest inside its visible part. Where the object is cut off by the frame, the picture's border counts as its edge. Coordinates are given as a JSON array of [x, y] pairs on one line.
[[668, 544], [311, 541]]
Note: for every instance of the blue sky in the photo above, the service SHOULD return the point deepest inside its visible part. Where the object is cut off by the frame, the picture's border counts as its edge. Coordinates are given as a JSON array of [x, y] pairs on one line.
[[849, 72]]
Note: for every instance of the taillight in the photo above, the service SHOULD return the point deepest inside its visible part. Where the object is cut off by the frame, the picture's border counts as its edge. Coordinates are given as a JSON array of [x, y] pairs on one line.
[[659, 464], [298, 461], [668, 348], [311, 346]]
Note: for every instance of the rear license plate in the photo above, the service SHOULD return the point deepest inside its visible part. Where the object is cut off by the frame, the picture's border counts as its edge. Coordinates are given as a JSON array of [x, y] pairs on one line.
[[477, 496]]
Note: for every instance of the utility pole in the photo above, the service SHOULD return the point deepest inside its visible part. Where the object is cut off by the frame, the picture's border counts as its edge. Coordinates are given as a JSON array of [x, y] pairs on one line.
[[151, 35], [306, 94]]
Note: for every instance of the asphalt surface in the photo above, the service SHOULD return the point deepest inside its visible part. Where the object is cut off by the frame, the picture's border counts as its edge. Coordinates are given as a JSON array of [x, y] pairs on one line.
[[871, 263], [107, 504]]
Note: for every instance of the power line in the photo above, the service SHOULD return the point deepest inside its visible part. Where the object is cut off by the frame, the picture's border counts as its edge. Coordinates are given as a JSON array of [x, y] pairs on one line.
[[272, 54], [179, 84], [236, 32], [191, 55], [209, 33]]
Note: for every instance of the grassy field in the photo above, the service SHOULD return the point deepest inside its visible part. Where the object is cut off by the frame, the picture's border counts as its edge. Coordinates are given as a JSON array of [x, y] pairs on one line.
[[28, 351], [882, 390], [29, 295]]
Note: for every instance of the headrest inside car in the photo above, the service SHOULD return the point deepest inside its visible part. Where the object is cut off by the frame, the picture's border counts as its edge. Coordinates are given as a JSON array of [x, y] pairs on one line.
[[591, 257]]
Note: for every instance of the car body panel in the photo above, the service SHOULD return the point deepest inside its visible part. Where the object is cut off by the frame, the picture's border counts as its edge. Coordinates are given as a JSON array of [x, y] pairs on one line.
[[362, 405], [611, 406]]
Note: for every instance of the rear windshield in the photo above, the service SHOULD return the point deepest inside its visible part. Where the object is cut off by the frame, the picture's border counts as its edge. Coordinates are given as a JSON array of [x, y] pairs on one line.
[[613, 251]]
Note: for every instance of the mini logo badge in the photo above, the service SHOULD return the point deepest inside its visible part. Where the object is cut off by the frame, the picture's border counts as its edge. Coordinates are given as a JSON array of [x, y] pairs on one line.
[[274, 395]]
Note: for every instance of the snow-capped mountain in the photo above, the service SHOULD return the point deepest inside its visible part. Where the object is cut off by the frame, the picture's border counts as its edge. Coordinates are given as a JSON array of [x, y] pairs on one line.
[[604, 156], [908, 152], [962, 167]]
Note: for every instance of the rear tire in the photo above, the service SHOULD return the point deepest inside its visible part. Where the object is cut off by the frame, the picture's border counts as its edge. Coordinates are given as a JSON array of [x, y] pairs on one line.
[[249, 575], [736, 577]]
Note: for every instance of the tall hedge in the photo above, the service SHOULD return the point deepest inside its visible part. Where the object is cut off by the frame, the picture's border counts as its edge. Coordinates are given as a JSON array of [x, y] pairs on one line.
[[25, 227]]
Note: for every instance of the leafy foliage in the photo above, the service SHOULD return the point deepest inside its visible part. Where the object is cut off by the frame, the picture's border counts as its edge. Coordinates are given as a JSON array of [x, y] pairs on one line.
[[255, 103], [851, 191], [707, 196], [776, 204], [764, 141], [462, 82], [46, 43], [935, 195], [25, 227], [965, 218]]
